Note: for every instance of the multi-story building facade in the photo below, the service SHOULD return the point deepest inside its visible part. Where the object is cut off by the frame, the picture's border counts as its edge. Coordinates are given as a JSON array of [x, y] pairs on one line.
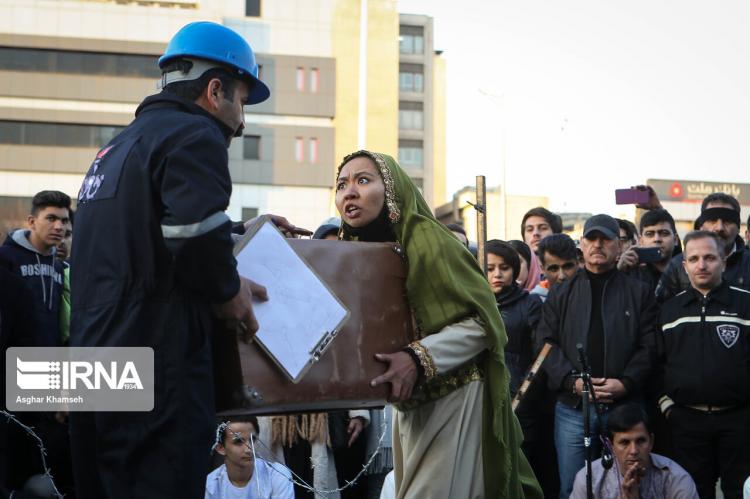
[[421, 107], [72, 73]]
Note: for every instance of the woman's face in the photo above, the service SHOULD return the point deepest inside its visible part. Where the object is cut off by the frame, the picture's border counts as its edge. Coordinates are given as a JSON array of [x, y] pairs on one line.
[[499, 273], [360, 192], [524, 272]]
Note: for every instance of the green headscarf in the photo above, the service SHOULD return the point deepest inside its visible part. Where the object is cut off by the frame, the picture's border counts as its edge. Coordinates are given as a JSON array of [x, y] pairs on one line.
[[445, 285]]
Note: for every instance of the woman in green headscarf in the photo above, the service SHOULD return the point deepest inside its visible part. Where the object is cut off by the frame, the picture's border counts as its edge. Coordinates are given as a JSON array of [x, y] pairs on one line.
[[455, 434]]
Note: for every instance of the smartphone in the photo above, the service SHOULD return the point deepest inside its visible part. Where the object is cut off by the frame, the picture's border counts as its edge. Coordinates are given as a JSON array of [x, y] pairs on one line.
[[631, 196], [648, 255]]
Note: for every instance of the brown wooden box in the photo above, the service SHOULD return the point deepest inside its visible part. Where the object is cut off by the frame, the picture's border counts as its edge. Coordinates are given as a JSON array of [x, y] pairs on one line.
[[369, 278]]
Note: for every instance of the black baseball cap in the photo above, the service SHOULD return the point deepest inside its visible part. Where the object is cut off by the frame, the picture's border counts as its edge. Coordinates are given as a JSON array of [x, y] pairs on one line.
[[605, 224]]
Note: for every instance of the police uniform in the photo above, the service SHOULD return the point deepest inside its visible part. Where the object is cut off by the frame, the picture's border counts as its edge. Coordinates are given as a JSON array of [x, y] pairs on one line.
[[705, 344], [153, 252]]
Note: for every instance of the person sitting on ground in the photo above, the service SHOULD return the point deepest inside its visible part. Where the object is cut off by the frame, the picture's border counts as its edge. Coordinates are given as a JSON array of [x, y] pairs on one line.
[[638, 472], [243, 474]]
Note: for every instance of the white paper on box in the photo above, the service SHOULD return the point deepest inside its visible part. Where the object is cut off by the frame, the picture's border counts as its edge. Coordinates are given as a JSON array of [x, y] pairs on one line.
[[301, 312]]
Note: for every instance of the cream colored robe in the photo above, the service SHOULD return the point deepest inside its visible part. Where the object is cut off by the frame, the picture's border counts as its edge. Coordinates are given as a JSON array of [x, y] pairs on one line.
[[437, 447]]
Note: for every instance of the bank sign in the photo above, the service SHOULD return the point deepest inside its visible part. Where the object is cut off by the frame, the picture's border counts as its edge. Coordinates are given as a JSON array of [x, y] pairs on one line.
[[79, 379], [691, 191]]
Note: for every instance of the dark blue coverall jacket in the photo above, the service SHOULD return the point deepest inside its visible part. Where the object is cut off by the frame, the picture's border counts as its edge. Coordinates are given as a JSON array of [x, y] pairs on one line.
[[153, 251]]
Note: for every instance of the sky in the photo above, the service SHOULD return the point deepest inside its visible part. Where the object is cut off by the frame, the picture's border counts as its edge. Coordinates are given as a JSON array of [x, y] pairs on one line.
[[578, 98]]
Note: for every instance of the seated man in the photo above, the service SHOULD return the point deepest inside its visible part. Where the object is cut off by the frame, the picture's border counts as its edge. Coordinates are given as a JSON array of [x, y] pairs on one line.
[[637, 472], [243, 475]]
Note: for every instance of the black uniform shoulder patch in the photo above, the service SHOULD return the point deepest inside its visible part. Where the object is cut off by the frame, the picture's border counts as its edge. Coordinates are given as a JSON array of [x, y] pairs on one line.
[[104, 173]]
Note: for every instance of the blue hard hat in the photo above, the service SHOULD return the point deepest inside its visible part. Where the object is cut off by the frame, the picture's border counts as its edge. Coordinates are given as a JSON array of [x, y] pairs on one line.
[[214, 42]]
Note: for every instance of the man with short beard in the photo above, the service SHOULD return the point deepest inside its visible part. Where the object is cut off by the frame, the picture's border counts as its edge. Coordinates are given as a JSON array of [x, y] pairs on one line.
[[612, 316], [720, 214], [704, 349]]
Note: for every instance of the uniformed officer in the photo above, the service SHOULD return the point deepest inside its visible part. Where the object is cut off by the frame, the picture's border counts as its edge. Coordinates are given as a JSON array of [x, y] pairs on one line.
[[705, 344], [153, 261]]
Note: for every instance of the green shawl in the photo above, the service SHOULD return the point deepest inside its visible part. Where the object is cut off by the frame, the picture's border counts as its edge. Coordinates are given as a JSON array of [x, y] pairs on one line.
[[445, 285]]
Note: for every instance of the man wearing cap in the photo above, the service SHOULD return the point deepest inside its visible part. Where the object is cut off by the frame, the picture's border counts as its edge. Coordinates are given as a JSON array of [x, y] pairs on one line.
[[720, 214], [612, 316], [153, 263], [704, 370]]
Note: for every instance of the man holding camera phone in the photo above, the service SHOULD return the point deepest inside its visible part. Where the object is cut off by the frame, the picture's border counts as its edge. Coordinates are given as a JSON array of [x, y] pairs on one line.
[[648, 261]]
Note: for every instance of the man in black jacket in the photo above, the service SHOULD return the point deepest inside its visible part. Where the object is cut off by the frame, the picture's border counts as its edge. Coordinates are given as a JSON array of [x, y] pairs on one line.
[[153, 261], [612, 316], [657, 231], [720, 213], [705, 347]]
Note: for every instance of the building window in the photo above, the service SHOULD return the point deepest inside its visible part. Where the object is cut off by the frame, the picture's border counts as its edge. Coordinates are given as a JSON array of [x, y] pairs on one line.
[[410, 153], [313, 150], [411, 40], [314, 80], [411, 77], [75, 62], [300, 79], [249, 213], [252, 8], [410, 115], [299, 149], [251, 147], [56, 134]]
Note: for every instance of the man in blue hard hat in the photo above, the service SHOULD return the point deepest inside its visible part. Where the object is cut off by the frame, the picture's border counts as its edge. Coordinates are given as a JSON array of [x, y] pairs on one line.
[[153, 266]]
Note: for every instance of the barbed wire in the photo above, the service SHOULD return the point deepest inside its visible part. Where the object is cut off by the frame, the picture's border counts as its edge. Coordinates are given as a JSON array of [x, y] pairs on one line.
[[299, 481], [40, 444], [296, 479]]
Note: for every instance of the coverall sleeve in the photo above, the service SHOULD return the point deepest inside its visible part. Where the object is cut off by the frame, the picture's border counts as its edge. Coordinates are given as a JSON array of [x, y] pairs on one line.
[[195, 188]]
